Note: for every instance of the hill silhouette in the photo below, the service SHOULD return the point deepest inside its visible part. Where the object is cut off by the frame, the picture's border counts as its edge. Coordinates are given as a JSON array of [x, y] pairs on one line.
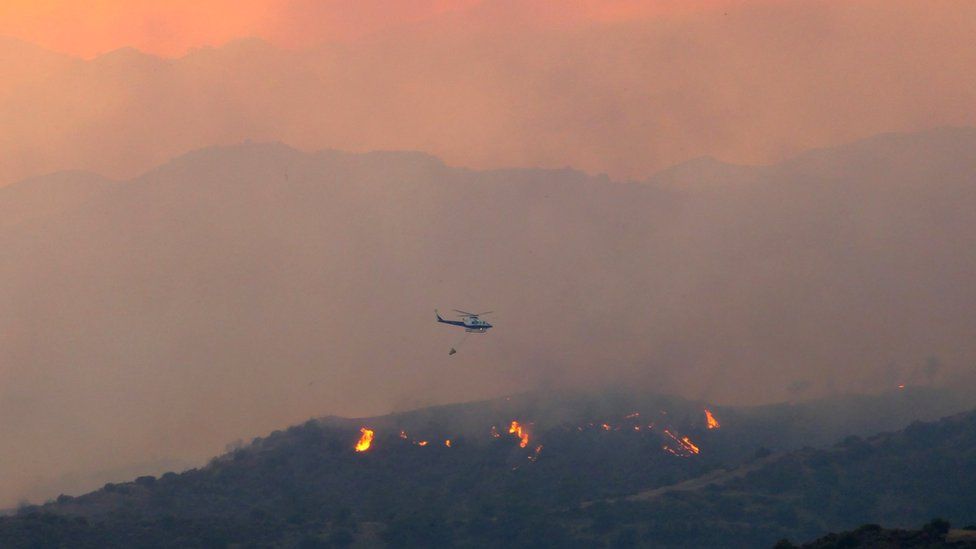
[[308, 484], [936, 533]]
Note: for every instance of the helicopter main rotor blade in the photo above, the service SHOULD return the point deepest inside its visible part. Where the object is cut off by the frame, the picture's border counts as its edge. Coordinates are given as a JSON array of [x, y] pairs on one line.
[[464, 313]]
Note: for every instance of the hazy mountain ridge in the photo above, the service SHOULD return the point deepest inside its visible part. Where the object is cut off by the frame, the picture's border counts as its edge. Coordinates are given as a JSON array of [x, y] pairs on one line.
[[491, 86], [296, 281]]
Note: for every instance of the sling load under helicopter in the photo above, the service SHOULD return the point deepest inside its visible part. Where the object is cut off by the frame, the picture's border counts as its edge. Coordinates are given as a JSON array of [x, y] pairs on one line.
[[471, 322]]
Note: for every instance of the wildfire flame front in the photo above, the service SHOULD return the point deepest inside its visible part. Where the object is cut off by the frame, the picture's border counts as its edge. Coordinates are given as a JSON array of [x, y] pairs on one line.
[[365, 440], [710, 420], [520, 432], [686, 446]]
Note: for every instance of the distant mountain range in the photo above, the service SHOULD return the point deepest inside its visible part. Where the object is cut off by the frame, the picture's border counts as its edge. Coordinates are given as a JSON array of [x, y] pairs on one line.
[[235, 289], [509, 83], [550, 469]]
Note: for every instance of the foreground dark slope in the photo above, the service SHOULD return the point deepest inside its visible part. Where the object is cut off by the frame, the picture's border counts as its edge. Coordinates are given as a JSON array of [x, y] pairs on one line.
[[238, 289], [934, 534], [900, 479], [604, 453]]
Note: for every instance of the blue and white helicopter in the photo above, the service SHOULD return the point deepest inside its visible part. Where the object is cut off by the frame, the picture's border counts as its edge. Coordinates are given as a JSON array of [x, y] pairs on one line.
[[471, 322]]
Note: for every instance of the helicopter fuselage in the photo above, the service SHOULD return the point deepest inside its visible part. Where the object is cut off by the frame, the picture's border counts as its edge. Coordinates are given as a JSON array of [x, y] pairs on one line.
[[471, 324]]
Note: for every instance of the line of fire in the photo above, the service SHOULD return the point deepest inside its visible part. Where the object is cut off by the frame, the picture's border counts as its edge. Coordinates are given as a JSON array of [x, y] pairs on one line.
[[672, 441]]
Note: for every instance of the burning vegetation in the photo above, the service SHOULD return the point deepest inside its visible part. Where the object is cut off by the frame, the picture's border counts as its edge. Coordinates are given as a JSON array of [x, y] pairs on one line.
[[683, 446], [710, 420], [672, 442], [518, 430], [365, 441]]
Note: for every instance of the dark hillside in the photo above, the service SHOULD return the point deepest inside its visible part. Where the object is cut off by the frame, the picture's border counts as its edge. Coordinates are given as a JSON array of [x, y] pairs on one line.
[[615, 454], [898, 479], [935, 534]]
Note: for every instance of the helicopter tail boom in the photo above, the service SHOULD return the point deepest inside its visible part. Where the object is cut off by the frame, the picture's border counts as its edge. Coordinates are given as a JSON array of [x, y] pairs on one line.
[[451, 322]]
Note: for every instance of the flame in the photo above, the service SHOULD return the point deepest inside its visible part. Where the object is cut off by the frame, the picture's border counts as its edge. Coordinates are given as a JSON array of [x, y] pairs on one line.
[[687, 446], [901, 386], [421, 443], [494, 432], [447, 443], [631, 416], [710, 420], [403, 434], [605, 427], [519, 431], [535, 456], [365, 440]]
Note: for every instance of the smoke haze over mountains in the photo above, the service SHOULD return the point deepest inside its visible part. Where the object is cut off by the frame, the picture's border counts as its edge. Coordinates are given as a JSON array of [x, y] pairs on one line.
[[626, 91], [220, 218], [237, 289]]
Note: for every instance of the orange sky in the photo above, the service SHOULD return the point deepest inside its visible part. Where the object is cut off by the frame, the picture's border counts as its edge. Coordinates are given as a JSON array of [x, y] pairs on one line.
[[171, 27]]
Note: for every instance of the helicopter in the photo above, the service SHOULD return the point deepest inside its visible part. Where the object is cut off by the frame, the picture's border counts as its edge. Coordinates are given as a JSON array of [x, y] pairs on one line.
[[471, 322]]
